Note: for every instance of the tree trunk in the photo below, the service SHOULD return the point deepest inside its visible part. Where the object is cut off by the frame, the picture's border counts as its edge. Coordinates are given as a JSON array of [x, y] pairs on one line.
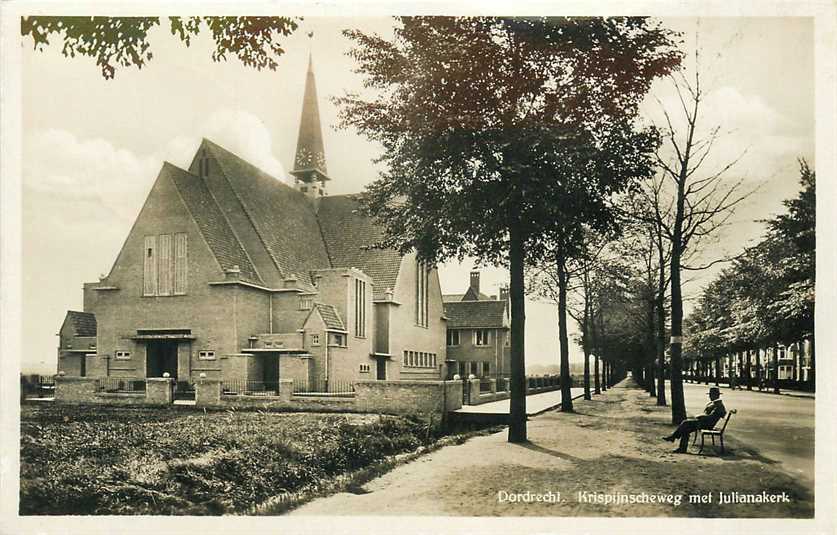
[[585, 343], [749, 368], [596, 379], [678, 402], [563, 338], [812, 375], [717, 370], [517, 395], [775, 369]]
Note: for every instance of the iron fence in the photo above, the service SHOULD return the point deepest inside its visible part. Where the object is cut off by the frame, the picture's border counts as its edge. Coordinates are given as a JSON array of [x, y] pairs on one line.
[[321, 387], [249, 388], [119, 385]]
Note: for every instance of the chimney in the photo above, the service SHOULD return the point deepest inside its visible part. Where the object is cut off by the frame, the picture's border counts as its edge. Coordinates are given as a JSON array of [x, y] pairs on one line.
[[504, 297], [475, 282]]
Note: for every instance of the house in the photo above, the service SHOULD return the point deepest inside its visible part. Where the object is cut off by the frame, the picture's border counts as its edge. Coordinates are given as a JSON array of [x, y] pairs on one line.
[[478, 336], [231, 273]]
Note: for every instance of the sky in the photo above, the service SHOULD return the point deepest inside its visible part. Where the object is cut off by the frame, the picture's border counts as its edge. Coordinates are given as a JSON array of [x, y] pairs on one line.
[[93, 147]]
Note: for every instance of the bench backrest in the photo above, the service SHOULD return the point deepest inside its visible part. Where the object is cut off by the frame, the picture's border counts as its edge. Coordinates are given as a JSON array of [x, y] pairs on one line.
[[726, 420]]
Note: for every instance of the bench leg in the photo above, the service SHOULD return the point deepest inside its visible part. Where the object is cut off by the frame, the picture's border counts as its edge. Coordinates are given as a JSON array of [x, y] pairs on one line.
[[702, 438], [722, 443]]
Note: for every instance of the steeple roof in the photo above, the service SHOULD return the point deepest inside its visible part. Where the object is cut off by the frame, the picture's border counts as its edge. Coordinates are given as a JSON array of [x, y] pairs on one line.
[[310, 154]]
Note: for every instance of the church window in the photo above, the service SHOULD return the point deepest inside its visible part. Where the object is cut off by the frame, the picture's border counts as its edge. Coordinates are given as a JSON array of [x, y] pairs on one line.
[[360, 308], [421, 294]]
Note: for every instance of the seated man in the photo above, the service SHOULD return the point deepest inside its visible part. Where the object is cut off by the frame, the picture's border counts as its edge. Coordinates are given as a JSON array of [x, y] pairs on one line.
[[713, 412]]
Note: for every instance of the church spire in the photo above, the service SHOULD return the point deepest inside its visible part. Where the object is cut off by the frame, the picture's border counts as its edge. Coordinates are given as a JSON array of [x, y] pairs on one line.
[[310, 169]]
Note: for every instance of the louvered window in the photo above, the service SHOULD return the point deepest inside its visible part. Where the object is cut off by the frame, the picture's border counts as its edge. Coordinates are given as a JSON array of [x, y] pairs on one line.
[[165, 266], [180, 263], [150, 266]]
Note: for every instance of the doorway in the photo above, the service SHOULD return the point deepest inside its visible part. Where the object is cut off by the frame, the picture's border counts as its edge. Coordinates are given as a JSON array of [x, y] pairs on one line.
[[381, 370], [161, 357]]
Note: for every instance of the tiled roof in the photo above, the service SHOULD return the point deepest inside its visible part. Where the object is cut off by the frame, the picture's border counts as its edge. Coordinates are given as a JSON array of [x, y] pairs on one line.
[[330, 316], [212, 223], [83, 323], [350, 238], [452, 298], [283, 217], [475, 314]]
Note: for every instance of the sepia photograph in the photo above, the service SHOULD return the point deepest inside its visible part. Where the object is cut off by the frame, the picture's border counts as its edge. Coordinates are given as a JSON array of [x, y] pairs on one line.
[[348, 271]]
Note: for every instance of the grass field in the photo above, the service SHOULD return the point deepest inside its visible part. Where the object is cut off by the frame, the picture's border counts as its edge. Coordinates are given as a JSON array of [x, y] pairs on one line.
[[101, 460]]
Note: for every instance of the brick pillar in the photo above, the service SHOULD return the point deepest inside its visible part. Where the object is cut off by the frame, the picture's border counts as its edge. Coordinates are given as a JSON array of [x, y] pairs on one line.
[[475, 390], [493, 385], [158, 390], [286, 389], [207, 392]]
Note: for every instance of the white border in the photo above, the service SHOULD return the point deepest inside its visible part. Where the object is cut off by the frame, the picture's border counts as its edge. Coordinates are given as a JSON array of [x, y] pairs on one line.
[[10, 275]]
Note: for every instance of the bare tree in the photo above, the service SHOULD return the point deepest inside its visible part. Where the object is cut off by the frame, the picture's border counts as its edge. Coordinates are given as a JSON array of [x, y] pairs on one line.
[[702, 202]]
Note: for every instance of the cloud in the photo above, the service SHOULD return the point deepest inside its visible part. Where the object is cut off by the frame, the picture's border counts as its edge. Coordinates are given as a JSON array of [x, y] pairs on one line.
[[236, 130]]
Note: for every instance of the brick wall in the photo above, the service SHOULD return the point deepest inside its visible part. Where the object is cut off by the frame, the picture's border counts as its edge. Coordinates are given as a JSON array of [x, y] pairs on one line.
[[404, 334], [408, 397]]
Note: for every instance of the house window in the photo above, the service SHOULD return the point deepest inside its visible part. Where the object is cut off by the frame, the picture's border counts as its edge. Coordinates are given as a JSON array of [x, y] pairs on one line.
[[360, 308], [364, 368], [419, 359], [305, 303], [453, 337], [486, 369], [421, 294], [315, 339], [123, 355], [206, 355], [473, 368], [482, 337], [338, 339]]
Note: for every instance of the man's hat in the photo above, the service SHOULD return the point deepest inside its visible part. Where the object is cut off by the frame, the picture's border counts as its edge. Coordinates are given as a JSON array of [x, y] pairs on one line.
[[715, 390]]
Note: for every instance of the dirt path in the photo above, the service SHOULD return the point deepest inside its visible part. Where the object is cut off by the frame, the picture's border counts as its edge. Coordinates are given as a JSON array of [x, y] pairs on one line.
[[610, 446]]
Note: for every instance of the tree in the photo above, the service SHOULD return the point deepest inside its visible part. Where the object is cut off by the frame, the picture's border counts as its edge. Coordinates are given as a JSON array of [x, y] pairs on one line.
[[123, 41], [702, 204], [475, 116]]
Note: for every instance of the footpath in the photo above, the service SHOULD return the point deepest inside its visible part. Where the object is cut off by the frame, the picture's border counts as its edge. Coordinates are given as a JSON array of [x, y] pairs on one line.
[[605, 459]]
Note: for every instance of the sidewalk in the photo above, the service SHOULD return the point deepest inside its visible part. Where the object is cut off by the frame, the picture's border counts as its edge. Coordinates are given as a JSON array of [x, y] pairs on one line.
[[609, 446]]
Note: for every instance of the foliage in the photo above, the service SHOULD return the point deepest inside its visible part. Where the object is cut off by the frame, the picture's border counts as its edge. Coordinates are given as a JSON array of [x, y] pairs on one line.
[[123, 41], [492, 122], [97, 460], [767, 295]]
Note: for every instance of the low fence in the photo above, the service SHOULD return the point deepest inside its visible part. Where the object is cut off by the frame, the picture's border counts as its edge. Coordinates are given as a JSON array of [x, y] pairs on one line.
[[249, 388], [324, 388], [114, 385]]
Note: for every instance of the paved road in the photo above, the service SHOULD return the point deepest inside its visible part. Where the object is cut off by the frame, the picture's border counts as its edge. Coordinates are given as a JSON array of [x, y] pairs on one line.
[[778, 428]]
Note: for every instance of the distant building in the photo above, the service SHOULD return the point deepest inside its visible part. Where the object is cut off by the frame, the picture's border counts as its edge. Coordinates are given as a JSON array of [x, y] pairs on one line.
[[229, 272], [478, 332]]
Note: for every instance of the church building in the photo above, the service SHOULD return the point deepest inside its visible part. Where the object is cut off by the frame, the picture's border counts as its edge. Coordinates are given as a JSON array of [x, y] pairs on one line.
[[231, 273]]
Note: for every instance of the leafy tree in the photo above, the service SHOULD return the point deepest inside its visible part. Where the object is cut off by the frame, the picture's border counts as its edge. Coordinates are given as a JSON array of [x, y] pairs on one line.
[[123, 41], [478, 116]]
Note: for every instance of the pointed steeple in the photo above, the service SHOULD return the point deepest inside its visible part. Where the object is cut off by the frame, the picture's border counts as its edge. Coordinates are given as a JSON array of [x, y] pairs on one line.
[[310, 169]]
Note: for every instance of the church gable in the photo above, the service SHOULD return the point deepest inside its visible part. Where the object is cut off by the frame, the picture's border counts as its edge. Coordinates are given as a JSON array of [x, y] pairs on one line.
[[165, 249]]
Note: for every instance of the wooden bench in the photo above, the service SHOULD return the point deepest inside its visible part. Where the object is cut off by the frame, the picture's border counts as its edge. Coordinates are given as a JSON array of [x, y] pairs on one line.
[[714, 433]]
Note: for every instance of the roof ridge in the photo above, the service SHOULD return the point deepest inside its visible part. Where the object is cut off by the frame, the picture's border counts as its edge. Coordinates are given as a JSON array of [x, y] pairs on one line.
[[232, 228], [216, 208], [247, 212]]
